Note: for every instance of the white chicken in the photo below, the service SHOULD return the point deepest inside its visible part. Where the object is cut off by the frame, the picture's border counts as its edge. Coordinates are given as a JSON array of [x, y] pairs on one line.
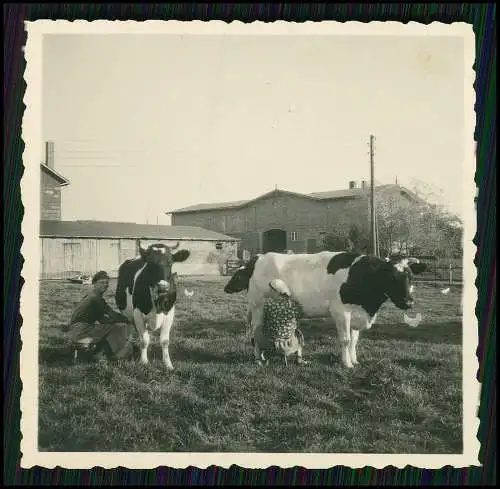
[[188, 293], [412, 322], [445, 291]]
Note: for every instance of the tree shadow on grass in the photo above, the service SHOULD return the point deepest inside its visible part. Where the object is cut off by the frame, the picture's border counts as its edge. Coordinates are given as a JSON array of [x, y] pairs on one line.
[[426, 365], [449, 332]]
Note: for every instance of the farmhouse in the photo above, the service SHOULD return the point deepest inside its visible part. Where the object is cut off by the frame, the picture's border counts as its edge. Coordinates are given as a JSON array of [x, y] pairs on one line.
[[67, 247], [281, 220], [51, 183]]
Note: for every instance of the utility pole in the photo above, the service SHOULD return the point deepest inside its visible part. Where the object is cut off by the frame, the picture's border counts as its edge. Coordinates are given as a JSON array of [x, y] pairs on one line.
[[372, 178]]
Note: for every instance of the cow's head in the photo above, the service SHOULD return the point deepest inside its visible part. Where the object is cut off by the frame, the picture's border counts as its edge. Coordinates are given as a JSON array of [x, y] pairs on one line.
[[397, 280], [159, 259], [163, 294], [239, 281]]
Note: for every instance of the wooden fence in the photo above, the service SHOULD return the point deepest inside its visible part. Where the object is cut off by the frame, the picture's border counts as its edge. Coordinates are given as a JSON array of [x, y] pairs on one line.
[[442, 272], [231, 266]]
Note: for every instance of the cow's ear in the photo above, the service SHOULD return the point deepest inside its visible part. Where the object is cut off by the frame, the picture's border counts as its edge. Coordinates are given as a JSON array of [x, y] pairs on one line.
[[417, 268], [181, 255]]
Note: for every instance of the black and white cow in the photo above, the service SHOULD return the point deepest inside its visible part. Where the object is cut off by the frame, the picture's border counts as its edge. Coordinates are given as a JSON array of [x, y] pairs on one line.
[[328, 283], [146, 294]]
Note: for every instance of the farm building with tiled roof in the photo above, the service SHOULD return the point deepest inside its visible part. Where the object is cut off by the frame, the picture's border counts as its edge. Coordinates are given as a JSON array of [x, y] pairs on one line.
[[279, 219], [71, 247]]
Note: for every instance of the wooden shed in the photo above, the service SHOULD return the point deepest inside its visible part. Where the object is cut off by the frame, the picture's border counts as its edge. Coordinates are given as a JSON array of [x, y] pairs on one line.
[[71, 247]]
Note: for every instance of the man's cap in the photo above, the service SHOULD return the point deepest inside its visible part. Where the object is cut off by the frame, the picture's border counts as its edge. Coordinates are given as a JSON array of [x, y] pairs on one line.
[[100, 276]]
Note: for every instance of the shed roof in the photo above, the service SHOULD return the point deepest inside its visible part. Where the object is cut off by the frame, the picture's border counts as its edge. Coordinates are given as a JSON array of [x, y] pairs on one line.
[[331, 195], [63, 181], [124, 230]]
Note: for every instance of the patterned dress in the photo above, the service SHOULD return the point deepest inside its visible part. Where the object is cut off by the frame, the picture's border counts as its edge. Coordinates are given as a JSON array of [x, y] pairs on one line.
[[280, 333]]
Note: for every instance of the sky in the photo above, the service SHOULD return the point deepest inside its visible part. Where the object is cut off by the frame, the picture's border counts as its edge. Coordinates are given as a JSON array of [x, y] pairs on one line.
[[144, 124]]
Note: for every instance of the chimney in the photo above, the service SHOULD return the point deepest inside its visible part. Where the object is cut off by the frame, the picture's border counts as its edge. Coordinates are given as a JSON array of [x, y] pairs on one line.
[[364, 185], [353, 184], [49, 154]]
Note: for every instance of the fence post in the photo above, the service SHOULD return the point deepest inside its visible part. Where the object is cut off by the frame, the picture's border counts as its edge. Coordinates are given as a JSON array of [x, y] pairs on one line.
[[450, 273]]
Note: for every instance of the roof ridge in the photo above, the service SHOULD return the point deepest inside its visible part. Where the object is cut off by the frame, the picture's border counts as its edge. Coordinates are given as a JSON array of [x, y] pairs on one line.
[[128, 230], [63, 180], [237, 203]]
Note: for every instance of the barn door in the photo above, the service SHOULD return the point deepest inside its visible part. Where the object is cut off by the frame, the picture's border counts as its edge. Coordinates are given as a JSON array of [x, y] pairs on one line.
[[274, 240], [72, 254], [311, 245]]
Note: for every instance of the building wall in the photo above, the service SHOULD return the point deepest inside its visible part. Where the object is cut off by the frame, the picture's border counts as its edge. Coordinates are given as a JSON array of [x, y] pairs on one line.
[[50, 198], [304, 220], [62, 257]]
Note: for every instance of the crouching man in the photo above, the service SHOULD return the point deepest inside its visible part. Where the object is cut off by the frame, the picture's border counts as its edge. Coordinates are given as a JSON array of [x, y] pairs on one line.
[[279, 333], [95, 326]]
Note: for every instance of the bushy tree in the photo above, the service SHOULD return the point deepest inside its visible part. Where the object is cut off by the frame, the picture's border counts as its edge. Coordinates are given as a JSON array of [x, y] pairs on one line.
[[335, 242], [356, 239], [404, 227], [419, 228]]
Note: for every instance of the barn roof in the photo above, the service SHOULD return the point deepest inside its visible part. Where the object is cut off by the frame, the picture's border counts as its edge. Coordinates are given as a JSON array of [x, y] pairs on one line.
[[331, 195], [350, 192], [124, 230], [63, 181]]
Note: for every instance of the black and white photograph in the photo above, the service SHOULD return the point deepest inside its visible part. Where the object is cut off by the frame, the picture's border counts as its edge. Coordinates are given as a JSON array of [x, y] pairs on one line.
[[249, 244]]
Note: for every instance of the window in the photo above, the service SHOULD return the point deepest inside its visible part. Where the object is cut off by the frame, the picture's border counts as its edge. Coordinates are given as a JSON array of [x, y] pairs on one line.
[[322, 239], [218, 246], [294, 236]]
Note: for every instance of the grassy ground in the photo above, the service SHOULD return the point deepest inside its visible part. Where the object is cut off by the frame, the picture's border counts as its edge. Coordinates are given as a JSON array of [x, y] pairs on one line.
[[404, 397]]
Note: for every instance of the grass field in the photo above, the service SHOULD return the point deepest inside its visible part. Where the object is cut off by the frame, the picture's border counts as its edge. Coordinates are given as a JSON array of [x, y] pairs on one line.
[[404, 397]]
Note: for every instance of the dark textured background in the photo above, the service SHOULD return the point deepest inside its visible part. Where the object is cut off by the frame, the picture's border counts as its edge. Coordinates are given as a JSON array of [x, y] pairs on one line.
[[483, 18]]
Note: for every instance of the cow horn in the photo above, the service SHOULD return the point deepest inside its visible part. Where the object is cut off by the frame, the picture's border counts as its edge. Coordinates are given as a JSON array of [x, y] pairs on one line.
[[172, 248], [139, 245]]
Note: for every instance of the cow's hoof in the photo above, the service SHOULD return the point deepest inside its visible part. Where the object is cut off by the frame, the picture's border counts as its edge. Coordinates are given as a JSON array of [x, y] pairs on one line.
[[169, 367]]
